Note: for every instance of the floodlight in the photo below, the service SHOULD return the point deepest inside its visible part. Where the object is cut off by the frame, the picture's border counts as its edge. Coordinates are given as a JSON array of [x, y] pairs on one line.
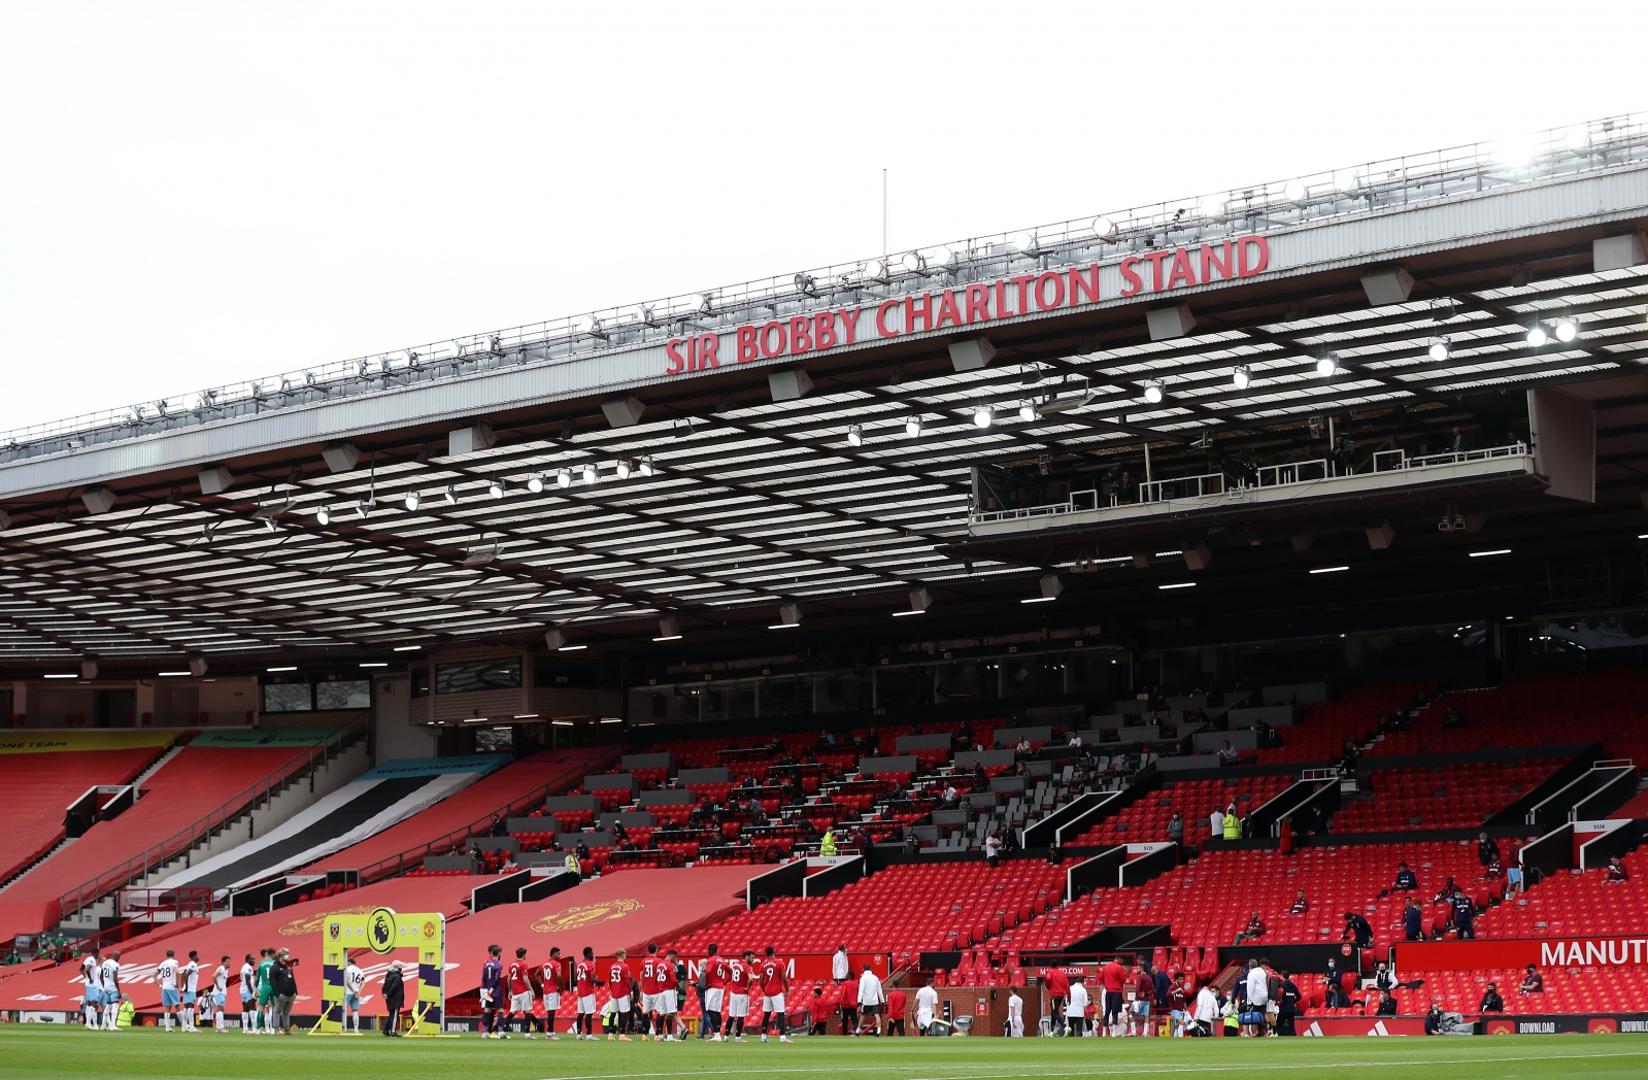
[[564, 478], [1104, 228], [874, 270], [1327, 365], [1537, 336], [323, 516], [1566, 330], [1294, 191], [412, 499], [1028, 412], [914, 262], [535, 483], [591, 473], [912, 427], [1154, 392], [1241, 377], [1439, 349], [855, 436], [495, 489], [983, 417]]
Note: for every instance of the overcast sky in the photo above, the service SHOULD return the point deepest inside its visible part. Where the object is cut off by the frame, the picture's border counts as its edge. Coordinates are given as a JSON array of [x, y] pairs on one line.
[[198, 193]]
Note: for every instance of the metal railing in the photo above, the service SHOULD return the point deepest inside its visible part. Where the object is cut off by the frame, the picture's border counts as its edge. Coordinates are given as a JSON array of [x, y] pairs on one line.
[[455, 839], [1469, 169], [303, 763], [1285, 474]]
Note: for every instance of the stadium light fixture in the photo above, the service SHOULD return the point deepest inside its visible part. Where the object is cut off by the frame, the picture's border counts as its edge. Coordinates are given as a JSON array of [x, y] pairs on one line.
[[1346, 182], [495, 489], [623, 468], [412, 500], [874, 270], [912, 427], [174, 674], [855, 436], [983, 417], [282, 668], [1439, 349], [1537, 337], [1028, 412], [1566, 330], [1241, 377], [535, 483], [591, 473], [451, 495], [1294, 191], [914, 262], [364, 507], [1215, 207], [806, 285], [1490, 553], [323, 516], [1177, 585], [1577, 139], [706, 304], [407, 648], [372, 664], [646, 467], [1025, 243], [563, 479], [1154, 392], [1328, 569], [1104, 228], [1327, 365], [60, 675]]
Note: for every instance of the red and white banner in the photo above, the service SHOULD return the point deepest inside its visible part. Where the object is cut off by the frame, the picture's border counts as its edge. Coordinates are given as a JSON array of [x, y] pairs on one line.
[[966, 306], [1497, 954]]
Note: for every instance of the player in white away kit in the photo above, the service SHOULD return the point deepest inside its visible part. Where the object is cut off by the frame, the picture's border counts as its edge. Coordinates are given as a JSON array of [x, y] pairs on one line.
[[220, 993], [166, 977], [1015, 1014], [248, 997], [111, 991], [354, 981], [190, 976], [91, 972]]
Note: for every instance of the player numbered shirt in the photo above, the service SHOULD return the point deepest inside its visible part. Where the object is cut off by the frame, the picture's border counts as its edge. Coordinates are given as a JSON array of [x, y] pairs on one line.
[[656, 975], [191, 976], [520, 981], [552, 974], [111, 975], [92, 973], [738, 977], [354, 979], [583, 977], [772, 977], [715, 977], [166, 974], [618, 979]]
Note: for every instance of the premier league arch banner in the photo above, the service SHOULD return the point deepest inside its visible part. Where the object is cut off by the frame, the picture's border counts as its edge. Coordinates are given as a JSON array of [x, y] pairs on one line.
[[377, 935]]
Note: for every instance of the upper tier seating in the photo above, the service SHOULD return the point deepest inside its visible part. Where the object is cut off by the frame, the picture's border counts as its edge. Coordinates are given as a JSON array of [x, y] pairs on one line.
[[1208, 901], [1608, 707], [1449, 797], [1325, 727], [192, 784], [904, 909], [1146, 820], [37, 789]]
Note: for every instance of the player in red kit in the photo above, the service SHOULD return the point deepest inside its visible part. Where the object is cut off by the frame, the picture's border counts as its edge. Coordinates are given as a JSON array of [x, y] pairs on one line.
[[583, 985], [740, 974], [775, 984], [715, 991], [657, 975], [518, 981], [619, 978], [553, 977]]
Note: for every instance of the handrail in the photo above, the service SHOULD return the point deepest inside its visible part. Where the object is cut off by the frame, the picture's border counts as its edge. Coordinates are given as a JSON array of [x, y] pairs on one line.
[[1203, 484], [304, 761], [393, 865]]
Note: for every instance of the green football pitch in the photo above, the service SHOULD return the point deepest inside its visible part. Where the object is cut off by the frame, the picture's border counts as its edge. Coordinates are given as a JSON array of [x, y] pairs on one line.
[[49, 1053]]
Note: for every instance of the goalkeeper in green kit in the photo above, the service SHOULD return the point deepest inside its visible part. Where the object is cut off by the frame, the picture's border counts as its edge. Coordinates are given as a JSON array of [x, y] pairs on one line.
[[265, 990]]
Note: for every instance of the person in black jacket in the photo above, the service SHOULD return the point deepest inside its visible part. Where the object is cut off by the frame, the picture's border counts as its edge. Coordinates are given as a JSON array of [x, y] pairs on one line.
[[1387, 1004], [1491, 1001], [1287, 1005], [394, 999], [283, 981], [1357, 930], [1487, 851]]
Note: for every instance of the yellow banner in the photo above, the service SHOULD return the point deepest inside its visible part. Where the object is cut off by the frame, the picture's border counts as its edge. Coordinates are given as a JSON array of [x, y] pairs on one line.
[[58, 742]]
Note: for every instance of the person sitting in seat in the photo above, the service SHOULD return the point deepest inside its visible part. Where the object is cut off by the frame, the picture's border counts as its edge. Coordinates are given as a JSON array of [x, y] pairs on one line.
[[1532, 982], [1253, 931], [1300, 904], [1405, 879], [1491, 1001], [1616, 874]]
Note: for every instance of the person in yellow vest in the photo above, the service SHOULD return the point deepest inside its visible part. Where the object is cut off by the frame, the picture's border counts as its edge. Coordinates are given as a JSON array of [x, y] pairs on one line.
[[572, 864], [826, 846], [1233, 825]]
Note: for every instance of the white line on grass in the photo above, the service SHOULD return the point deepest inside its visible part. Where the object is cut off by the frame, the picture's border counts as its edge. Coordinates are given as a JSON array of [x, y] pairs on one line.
[[887, 1068]]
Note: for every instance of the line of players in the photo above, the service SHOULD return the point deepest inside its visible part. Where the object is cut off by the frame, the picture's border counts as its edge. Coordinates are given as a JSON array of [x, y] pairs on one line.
[[646, 1007]]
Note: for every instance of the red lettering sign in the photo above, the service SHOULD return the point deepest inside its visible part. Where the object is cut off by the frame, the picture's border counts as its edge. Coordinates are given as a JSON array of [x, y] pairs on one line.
[[1060, 289]]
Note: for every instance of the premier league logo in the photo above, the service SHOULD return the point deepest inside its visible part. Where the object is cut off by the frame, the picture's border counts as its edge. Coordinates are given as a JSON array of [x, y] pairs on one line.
[[381, 931]]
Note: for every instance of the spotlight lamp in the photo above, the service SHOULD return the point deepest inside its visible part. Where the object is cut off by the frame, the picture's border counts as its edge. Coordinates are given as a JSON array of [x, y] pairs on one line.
[[1566, 330], [983, 417], [1025, 243], [1439, 350], [1028, 412], [874, 270], [323, 516], [535, 483], [647, 467], [912, 427], [914, 262], [1537, 337], [1294, 191], [495, 489], [1241, 377], [622, 468], [591, 473], [855, 436], [1104, 228], [1154, 392], [1327, 365], [1215, 207], [563, 479], [806, 284], [451, 495], [412, 500]]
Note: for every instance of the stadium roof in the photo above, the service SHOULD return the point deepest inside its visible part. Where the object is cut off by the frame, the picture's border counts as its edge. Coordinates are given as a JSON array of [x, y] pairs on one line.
[[391, 501]]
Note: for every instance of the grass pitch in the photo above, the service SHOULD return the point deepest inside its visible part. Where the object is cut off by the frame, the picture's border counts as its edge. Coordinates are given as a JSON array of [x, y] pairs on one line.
[[31, 1052]]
